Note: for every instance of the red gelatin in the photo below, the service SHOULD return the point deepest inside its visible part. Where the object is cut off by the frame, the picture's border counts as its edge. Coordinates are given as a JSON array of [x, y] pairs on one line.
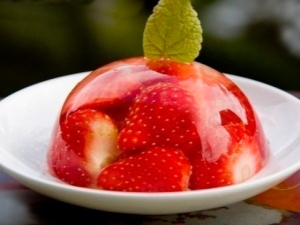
[[127, 110]]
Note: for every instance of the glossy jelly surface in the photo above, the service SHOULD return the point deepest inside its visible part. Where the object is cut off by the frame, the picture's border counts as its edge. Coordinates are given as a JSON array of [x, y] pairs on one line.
[[154, 126]]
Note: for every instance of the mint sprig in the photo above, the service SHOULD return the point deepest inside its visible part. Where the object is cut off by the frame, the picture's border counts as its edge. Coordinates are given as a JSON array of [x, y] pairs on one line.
[[173, 32]]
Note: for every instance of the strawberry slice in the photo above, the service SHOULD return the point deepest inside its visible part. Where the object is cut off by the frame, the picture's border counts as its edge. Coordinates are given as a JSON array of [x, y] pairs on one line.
[[66, 165], [152, 170], [162, 115], [241, 163], [236, 155], [86, 143]]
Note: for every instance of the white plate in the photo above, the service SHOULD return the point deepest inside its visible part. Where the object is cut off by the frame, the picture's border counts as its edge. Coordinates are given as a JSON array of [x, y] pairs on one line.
[[27, 118]]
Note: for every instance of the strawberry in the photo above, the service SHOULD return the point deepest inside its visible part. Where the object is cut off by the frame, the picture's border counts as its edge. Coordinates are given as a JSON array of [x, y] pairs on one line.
[[155, 169], [235, 157], [162, 115], [240, 163], [179, 70], [85, 144], [66, 165]]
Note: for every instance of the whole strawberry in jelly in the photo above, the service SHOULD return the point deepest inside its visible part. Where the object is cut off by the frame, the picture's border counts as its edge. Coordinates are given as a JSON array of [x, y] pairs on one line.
[[158, 123]]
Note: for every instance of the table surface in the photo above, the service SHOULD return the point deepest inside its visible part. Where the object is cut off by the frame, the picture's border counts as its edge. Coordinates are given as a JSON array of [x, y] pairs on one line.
[[22, 206]]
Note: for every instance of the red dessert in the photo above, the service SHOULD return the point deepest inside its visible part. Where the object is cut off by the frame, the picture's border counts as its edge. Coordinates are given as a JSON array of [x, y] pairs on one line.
[[119, 113], [158, 123]]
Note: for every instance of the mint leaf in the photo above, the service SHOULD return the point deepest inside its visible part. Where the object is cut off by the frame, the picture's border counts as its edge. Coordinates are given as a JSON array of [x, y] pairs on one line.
[[173, 32]]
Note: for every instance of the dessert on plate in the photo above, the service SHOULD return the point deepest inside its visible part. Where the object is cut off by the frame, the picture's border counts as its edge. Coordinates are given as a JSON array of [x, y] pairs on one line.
[[161, 122]]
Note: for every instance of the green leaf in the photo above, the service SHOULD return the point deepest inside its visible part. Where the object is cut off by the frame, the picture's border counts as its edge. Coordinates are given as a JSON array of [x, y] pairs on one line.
[[173, 32]]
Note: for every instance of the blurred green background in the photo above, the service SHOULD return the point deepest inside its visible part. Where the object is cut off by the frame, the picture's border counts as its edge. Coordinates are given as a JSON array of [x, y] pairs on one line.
[[44, 39]]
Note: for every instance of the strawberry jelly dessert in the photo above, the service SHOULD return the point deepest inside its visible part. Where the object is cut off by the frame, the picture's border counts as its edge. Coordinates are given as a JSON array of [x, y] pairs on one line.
[[158, 123]]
